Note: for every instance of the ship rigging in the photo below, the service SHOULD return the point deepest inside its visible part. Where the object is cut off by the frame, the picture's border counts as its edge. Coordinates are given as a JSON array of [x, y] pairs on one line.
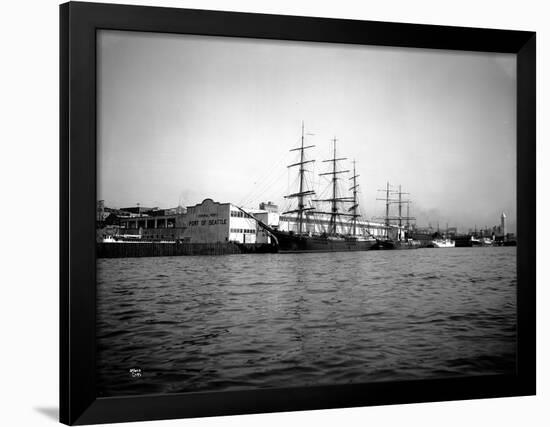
[[307, 212]]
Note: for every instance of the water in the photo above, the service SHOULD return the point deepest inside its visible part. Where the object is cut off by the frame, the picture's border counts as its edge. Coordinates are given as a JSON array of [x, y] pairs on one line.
[[281, 320]]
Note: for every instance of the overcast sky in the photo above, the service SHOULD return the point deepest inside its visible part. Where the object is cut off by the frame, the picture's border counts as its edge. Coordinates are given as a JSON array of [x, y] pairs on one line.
[[184, 118]]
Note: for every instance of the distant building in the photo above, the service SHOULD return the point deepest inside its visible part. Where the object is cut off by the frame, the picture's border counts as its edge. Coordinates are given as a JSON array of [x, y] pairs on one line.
[[178, 210], [138, 209], [269, 207], [503, 230], [160, 226], [451, 231], [269, 215]]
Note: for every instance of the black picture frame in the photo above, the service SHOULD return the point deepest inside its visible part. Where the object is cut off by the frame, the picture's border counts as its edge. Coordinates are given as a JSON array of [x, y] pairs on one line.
[[78, 25]]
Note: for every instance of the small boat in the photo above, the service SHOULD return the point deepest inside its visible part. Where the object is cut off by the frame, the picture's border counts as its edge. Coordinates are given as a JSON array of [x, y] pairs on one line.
[[442, 243], [475, 241], [109, 239], [487, 241]]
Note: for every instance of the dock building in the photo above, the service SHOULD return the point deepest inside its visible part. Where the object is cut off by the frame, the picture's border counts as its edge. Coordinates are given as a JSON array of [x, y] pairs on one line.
[[214, 222], [205, 222]]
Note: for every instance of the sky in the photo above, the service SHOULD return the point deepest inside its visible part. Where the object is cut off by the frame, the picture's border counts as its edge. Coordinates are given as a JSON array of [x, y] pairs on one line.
[[182, 118]]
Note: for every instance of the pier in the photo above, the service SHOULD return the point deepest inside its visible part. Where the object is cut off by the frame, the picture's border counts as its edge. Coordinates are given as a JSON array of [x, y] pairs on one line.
[[159, 249]]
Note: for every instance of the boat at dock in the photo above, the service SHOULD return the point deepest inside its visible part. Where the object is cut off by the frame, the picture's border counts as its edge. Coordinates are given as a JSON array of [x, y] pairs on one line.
[[398, 244], [397, 228], [442, 243], [292, 242], [487, 241], [467, 241], [318, 230]]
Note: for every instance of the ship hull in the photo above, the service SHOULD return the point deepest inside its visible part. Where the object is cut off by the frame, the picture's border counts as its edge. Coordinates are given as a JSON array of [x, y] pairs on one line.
[[397, 244], [466, 242], [293, 243], [425, 239]]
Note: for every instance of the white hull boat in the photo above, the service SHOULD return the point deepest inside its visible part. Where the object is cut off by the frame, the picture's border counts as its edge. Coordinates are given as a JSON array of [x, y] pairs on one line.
[[443, 243]]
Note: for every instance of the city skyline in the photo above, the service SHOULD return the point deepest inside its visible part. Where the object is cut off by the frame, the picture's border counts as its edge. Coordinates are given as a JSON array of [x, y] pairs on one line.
[[185, 118]]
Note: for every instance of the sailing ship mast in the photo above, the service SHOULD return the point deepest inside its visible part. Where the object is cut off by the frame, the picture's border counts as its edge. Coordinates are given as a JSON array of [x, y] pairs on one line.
[[355, 205], [388, 202], [387, 220], [408, 224], [334, 200], [302, 191], [399, 202]]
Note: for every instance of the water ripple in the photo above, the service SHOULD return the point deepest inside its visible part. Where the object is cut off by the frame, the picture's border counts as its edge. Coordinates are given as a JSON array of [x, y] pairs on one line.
[[248, 321]]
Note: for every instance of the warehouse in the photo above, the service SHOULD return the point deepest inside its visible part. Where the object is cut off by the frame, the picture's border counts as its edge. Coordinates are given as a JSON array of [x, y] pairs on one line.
[[206, 222], [211, 222], [155, 224]]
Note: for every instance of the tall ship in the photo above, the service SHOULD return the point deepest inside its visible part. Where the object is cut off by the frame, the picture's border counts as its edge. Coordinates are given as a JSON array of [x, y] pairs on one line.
[[323, 230], [398, 236]]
